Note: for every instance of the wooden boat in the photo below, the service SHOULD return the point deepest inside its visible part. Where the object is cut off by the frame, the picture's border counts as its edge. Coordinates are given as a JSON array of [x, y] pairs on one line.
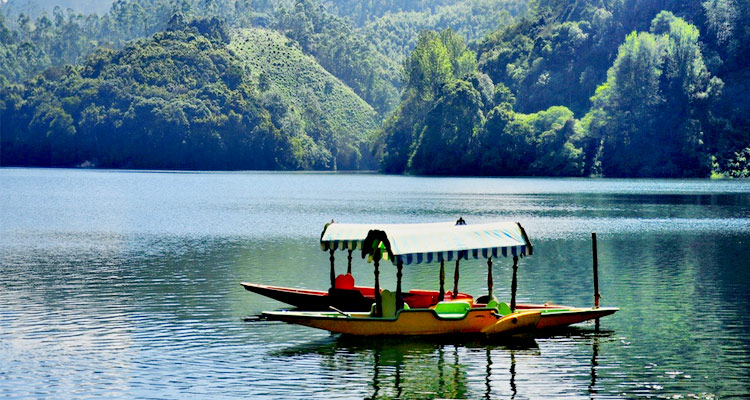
[[419, 312], [413, 244], [361, 298]]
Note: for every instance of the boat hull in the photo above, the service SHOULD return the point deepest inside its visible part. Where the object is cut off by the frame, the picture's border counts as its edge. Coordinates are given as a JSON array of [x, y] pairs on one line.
[[552, 319], [362, 298], [413, 322], [359, 298], [316, 300]]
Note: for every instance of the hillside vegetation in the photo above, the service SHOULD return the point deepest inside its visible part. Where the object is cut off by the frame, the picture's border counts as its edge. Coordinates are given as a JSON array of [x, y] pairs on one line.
[[316, 101], [616, 88], [396, 32], [619, 88], [182, 99]]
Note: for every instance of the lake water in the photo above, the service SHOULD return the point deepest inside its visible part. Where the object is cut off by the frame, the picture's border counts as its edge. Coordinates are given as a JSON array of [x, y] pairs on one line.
[[126, 284]]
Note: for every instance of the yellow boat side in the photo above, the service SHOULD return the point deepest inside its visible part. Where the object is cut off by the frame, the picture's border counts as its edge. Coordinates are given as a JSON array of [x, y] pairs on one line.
[[413, 322]]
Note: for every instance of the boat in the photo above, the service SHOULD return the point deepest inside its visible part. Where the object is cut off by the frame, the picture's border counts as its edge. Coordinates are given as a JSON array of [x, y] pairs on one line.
[[344, 295], [403, 245]]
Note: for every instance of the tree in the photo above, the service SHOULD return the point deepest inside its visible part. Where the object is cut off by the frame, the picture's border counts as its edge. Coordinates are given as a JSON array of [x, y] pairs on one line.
[[648, 120], [445, 143]]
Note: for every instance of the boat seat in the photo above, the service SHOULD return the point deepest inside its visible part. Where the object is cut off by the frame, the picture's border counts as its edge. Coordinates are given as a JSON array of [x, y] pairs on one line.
[[388, 301], [452, 309], [487, 300], [344, 281], [503, 309]]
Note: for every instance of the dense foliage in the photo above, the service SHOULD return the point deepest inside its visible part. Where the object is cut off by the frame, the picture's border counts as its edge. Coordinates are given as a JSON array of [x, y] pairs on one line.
[[656, 93], [181, 99], [453, 120], [489, 87], [396, 32], [67, 37], [343, 52]]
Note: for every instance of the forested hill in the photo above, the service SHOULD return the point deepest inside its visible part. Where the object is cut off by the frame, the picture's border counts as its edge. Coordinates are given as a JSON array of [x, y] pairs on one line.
[[478, 87], [615, 88], [192, 97]]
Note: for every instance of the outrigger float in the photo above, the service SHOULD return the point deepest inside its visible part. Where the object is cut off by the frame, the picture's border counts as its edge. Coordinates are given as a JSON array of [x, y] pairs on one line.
[[420, 312]]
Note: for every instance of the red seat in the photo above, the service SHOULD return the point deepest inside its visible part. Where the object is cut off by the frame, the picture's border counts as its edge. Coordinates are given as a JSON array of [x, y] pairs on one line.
[[344, 281]]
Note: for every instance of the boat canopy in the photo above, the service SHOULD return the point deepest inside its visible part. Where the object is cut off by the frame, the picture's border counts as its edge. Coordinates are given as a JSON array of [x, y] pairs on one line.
[[427, 243], [337, 236]]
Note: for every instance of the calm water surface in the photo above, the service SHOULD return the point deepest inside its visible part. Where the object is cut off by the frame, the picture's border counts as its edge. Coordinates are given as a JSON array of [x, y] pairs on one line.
[[126, 285]]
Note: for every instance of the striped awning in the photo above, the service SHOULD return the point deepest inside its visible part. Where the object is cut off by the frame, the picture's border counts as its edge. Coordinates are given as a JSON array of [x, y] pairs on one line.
[[337, 236], [426, 244]]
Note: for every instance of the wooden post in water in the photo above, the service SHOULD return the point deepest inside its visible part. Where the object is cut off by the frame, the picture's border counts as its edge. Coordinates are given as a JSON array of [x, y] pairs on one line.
[[333, 271], [349, 264], [378, 299], [597, 295], [489, 278], [455, 278], [514, 285], [441, 294]]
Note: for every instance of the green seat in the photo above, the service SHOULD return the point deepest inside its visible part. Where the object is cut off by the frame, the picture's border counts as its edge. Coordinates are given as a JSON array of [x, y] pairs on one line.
[[503, 309], [388, 302], [452, 309], [388, 299]]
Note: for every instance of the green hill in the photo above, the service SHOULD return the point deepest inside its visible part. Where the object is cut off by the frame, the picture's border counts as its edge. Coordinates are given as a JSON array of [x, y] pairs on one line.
[[188, 98], [277, 65]]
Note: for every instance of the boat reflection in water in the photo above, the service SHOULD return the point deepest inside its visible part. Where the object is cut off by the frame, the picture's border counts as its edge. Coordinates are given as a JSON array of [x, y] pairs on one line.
[[445, 367]]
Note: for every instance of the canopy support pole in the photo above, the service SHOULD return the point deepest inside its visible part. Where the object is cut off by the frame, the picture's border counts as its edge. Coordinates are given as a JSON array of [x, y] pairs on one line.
[[489, 278], [514, 284], [333, 270], [455, 279], [349, 264], [378, 299], [441, 294], [399, 298]]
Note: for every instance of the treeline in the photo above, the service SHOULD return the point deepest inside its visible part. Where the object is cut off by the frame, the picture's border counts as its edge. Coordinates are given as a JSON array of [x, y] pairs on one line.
[[180, 100], [606, 88]]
